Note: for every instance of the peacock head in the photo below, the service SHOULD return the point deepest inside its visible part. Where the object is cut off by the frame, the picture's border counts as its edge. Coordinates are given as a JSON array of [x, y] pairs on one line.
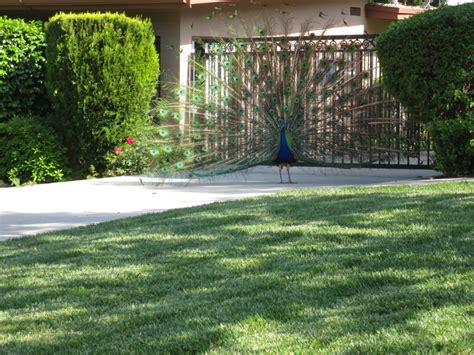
[[281, 123]]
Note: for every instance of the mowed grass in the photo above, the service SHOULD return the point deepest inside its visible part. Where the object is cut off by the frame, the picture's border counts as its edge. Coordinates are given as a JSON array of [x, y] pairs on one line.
[[382, 269]]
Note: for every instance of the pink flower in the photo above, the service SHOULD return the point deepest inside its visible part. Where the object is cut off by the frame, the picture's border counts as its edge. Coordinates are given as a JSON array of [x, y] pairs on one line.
[[118, 150], [130, 140]]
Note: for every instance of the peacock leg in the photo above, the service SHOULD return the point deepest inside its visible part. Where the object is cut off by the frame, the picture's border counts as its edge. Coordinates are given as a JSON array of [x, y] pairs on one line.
[[280, 168], [289, 176]]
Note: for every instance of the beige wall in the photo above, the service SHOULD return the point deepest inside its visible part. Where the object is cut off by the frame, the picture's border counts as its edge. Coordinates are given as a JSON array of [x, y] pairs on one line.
[[177, 28], [167, 25], [194, 23]]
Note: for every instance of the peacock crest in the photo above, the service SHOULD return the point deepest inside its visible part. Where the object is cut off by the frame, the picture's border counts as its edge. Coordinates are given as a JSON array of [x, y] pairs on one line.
[[272, 98]]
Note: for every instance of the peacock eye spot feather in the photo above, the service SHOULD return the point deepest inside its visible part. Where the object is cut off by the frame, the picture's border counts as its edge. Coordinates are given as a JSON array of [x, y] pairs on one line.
[[168, 149], [163, 132], [188, 153], [197, 137], [210, 108], [177, 116], [255, 77], [329, 49], [274, 99], [318, 77], [180, 93], [344, 98], [205, 149], [235, 80], [154, 152], [198, 158], [163, 112], [326, 93], [211, 123], [227, 100]]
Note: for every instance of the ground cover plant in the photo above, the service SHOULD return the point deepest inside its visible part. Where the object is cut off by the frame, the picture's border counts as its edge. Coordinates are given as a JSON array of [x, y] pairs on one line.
[[378, 270]]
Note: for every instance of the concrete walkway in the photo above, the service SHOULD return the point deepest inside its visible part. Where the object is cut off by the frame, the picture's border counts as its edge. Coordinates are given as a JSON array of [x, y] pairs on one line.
[[36, 209]]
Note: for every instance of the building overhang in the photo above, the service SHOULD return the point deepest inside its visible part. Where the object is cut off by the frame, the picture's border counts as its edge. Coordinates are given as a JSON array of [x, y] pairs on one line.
[[102, 4], [388, 12]]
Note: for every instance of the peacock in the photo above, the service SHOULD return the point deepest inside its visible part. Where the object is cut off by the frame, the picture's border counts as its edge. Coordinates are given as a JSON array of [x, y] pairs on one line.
[[270, 98]]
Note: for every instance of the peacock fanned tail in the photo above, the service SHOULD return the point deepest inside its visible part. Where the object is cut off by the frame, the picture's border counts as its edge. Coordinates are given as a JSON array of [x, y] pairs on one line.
[[232, 114]]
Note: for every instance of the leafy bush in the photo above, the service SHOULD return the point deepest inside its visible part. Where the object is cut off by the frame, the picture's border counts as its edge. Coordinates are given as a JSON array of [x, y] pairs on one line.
[[22, 68], [102, 74], [427, 62], [453, 142], [30, 152]]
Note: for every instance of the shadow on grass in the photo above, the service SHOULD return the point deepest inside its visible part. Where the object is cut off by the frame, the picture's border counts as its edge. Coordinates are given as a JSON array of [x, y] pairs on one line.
[[335, 270]]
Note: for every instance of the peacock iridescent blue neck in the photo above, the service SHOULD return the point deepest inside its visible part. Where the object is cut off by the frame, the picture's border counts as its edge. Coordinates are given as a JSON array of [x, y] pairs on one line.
[[285, 154]]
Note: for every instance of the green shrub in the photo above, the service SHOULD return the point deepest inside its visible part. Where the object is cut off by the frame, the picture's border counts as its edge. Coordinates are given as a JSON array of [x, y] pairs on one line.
[[22, 68], [453, 142], [29, 152], [427, 62], [102, 74]]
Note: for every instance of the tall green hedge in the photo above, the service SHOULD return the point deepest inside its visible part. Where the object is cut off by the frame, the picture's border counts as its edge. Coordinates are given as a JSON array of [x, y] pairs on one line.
[[22, 68], [102, 74], [428, 62]]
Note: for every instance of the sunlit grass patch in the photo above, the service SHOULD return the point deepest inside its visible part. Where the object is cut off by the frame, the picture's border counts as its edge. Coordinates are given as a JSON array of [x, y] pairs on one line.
[[382, 269]]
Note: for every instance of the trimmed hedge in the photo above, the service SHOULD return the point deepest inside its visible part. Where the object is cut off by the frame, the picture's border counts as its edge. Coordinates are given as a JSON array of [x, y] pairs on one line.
[[428, 59], [22, 68], [102, 74]]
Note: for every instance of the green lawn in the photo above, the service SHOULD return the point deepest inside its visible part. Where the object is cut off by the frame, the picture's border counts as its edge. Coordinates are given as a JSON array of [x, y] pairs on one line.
[[383, 269]]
